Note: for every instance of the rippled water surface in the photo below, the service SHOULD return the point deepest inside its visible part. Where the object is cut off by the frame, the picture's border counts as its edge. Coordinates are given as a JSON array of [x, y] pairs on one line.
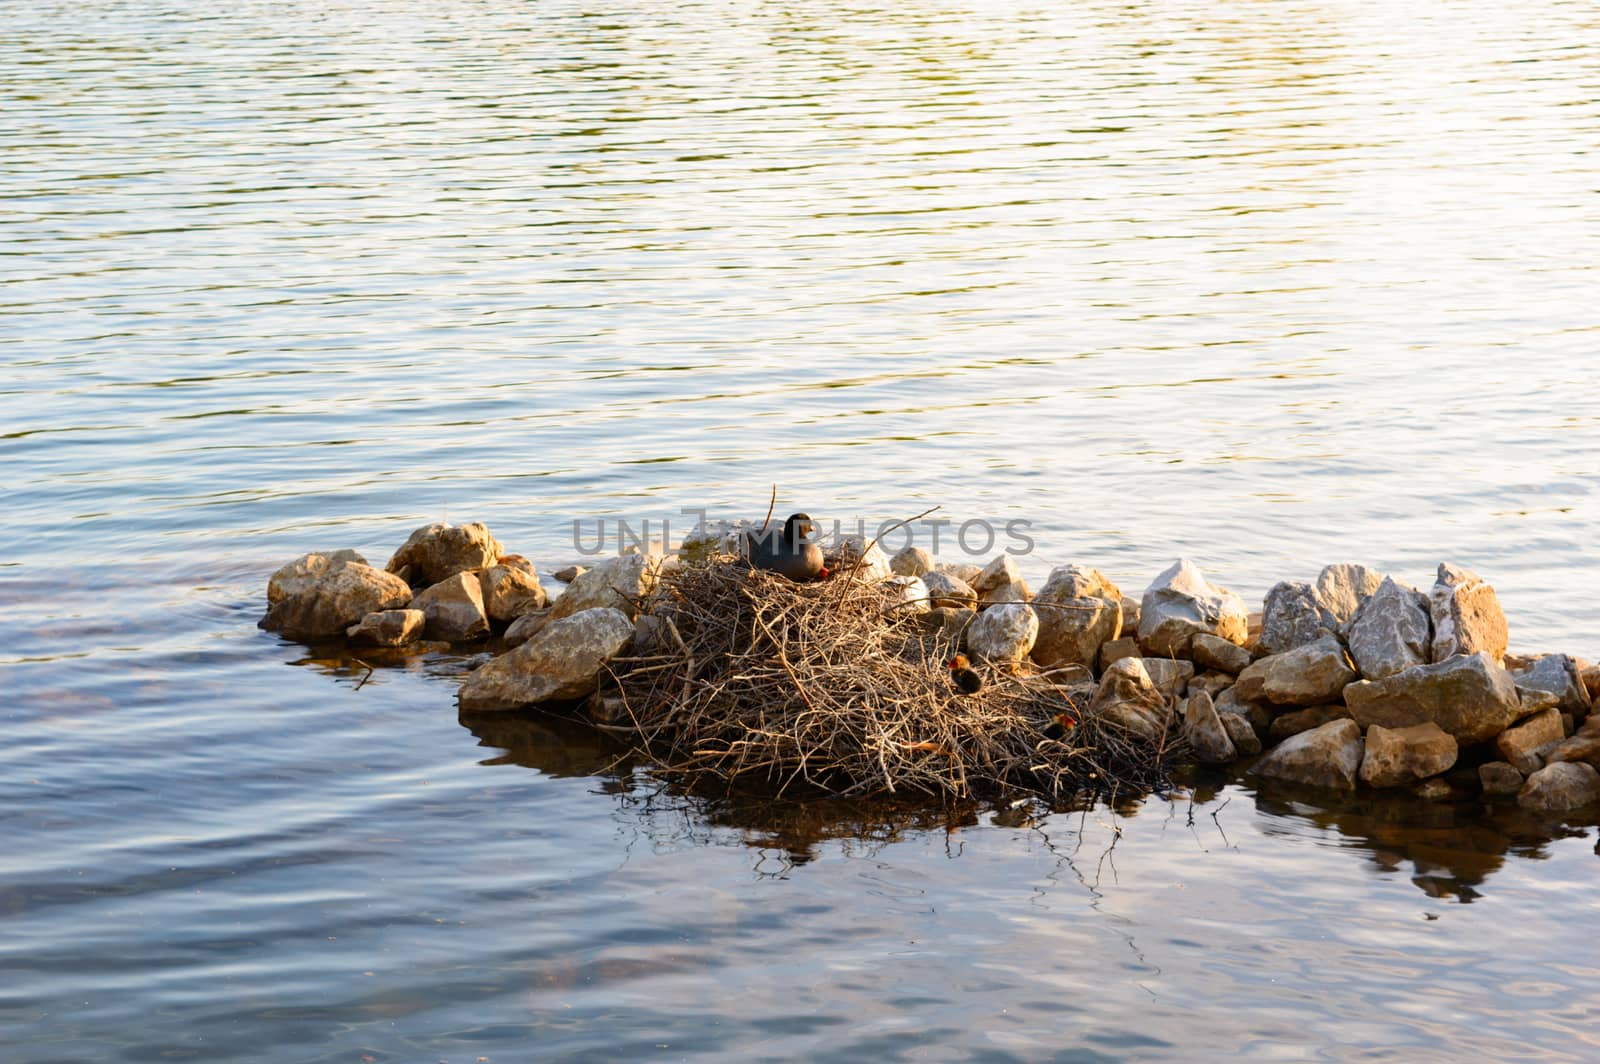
[[1267, 285]]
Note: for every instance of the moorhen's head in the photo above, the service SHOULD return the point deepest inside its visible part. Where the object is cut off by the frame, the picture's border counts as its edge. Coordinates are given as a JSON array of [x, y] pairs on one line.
[[958, 662], [798, 527]]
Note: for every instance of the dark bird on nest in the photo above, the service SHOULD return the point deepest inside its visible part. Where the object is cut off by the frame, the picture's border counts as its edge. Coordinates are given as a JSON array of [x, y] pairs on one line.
[[788, 552], [962, 676], [1060, 725]]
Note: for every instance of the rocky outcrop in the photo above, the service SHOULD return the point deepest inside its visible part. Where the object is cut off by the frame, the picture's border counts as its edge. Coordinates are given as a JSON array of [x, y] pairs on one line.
[[1003, 633], [1560, 788], [1308, 675], [1467, 618], [1343, 589], [1329, 756], [1295, 614], [562, 662], [387, 628], [912, 561], [1519, 744], [1127, 698], [509, 591], [1211, 652], [1558, 676], [338, 599], [306, 570], [1391, 632], [619, 583], [454, 608], [1399, 757], [1208, 739], [438, 551], [1181, 604], [1079, 612], [1472, 698], [947, 590]]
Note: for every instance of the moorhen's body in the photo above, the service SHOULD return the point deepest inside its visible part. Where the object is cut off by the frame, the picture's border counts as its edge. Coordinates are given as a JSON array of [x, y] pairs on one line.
[[789, 552], [1060, 725]]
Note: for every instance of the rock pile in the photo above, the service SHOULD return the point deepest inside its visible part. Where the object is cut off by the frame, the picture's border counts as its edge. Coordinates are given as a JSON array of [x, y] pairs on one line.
[[1354, 679]]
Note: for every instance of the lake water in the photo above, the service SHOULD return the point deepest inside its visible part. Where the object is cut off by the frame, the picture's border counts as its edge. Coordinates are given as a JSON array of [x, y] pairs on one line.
[[1268, 286]]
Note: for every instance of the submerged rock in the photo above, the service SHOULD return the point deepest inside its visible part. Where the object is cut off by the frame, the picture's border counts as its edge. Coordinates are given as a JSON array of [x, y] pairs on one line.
[[562, 662], [438, 551], [1499, 777], [1181, 604], [912, 561], [387, 628], [1310, 674], [306, 570], [454, 608], [1518, 744], [1466, 616], [1472, 698], [1329, 756], [1397, 757], [509, 591], [1391, 632], [1207, 736], [1211, 652], [338, 599], [1561, 787], [1003, 633], [1079, 612], [620, 583], [1128, 698]]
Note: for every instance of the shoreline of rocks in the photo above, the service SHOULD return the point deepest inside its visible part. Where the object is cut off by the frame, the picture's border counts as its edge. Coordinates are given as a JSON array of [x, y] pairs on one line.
[[1352, 680]]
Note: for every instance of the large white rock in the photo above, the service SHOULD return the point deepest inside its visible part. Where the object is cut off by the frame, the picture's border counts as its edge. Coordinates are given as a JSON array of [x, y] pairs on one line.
[[618, 583], [1309, 675], [1472, 698], [1079, 612], [1329, 756], [1343, 589], [1128, 698], [340, 598], [946, 589], [874, 564], [907, 596], [562, 662], [454, 608], [1466, 616], [1003, 633], [1391, 632], [306, 570], [1002, 570], [437, 551], [912, 561], [1180, 604]]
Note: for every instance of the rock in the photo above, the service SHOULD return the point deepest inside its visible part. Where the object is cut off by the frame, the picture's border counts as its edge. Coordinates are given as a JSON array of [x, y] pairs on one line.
[[562, 662], [1079, 612], [454, 608], [517, 561], [1210, 652], [1472, 698], [619, 584], [962, 571], [1327, 756], [1499, 777], [913, 561], [306, 570], [1071, 676], [1391, 632], [1303, 720], [1171, 677], [950, 621], [1003, 633], [1308, 675], [1293, 616], [1434, 790], [1207, 737], [607, 709], [1128, 698], [1003, 570], [1258, 715], [526, 627], [1580, 747], [874, 564], [1518, 744], [338, 599], [1556, 675], [1344, 589], [1130, 614], [702, 544], [907, 596], [438, 551], [1001, 593], [1181, 604], [1560, 787], [1114, 650], [387, 628], [1212, 683], [1246, 743], [1591, 681], [569, 574], [947, 590], [1397, 757], [510, 591], [1466, 616]]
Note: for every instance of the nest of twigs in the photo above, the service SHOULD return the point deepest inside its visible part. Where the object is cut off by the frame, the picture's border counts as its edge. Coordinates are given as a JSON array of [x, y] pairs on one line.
[[833, 687]]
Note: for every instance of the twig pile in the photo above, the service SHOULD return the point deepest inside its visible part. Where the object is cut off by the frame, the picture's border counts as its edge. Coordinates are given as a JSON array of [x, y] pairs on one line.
[[828, 687]]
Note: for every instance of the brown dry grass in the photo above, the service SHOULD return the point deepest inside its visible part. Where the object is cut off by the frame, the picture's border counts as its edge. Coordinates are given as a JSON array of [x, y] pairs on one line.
[[825, 688]]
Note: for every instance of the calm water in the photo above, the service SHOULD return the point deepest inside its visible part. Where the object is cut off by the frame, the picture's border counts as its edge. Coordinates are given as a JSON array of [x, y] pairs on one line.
[[1266, 285]]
